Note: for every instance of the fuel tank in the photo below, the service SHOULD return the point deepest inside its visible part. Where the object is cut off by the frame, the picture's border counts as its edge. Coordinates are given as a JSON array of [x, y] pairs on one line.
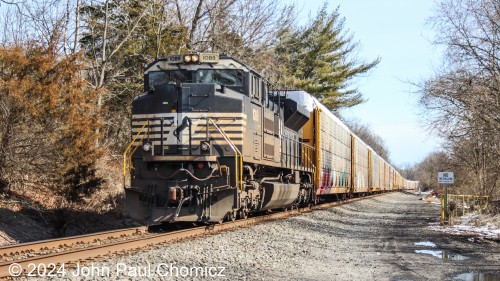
[[278, 195]]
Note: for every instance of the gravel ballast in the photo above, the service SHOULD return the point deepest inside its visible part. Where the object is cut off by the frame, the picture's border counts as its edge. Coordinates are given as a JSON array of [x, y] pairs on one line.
[[372, 239]]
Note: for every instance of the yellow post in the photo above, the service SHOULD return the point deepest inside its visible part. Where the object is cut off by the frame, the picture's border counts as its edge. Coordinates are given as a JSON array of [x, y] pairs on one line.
[[445, 202], [442, 210], [463, 205]]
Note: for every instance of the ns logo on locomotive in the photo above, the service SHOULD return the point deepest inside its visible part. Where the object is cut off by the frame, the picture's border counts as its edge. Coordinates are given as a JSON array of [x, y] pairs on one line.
[[212, 141]]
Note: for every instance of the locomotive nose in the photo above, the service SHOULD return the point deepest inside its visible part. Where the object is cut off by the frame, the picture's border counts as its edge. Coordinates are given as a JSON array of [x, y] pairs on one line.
[[161, 99]]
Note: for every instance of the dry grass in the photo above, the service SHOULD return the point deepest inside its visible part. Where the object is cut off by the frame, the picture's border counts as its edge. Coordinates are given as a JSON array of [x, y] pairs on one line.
[[432, 198], [40, 213]]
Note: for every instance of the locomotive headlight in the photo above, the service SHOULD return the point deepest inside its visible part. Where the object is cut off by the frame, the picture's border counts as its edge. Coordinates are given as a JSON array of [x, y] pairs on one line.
[[205, 146], [190, 58], [146, 147]]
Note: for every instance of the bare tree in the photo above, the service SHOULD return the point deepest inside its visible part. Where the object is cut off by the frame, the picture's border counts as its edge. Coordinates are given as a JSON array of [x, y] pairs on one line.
[[244, 28], [365, 133], [462, 102], [428, 169], [43, 21]]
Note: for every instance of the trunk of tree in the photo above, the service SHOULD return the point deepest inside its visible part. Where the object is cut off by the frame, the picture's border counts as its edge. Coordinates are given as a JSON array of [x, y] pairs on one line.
[[77, 26], [7, 136]]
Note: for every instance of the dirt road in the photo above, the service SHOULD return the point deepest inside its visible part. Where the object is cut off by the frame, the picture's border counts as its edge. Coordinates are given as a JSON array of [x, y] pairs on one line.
[[394, 242]]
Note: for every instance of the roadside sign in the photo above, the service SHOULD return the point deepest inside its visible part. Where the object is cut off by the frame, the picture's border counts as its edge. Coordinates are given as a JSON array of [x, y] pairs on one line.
[[446, 177]]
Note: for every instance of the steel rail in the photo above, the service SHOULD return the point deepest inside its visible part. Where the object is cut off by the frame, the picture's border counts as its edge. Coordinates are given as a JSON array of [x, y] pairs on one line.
[[41, 245], [82, 254]]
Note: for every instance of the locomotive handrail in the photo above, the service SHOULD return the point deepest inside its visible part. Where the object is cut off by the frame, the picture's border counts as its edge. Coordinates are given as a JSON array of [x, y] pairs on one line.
[[310, 162], [302, 153], [238, 163], [128, 148]]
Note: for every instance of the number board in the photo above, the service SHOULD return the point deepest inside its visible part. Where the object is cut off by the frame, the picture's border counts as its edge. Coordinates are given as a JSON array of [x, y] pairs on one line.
[[209, 57], [174, 59]]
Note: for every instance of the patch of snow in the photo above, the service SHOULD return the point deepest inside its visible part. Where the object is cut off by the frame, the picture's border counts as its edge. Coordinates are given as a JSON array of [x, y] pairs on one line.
[[489, 231], [437, 254], [425, 244], [472, 216]]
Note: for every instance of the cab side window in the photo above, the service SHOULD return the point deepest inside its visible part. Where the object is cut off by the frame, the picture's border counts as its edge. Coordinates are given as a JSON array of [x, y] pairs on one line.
[[256, 88]]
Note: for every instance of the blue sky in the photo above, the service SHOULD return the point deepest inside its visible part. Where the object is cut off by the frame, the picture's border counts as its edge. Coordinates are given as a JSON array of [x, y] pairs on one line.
[[396, 31]]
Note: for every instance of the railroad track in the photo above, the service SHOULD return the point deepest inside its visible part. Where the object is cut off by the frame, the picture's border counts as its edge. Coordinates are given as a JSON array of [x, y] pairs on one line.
[[11, 251], [54, 252]]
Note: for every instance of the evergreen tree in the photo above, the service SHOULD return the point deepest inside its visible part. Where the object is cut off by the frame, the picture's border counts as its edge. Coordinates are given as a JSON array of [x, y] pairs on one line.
[[318, 59]]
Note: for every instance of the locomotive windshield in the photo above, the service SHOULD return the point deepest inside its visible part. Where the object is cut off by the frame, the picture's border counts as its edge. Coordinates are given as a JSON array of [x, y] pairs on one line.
[[227, 77], [157, 78]]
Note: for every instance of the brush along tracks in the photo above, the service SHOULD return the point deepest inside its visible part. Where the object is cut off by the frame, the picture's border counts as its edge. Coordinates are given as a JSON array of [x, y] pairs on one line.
[[52, 253]]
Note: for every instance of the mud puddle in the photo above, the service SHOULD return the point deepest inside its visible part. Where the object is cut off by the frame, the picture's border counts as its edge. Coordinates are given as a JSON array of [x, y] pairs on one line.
[[478, 276], [438, 253]]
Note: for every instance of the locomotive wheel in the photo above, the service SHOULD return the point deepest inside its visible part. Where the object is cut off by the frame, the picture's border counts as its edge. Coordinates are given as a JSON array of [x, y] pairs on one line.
[[243, 214], [231, 216]]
